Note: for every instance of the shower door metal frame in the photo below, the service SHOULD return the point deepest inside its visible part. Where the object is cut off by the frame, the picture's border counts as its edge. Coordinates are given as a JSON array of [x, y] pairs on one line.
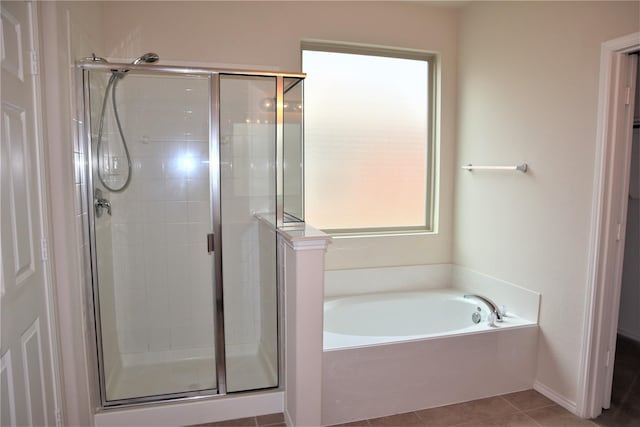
[[92, 297]]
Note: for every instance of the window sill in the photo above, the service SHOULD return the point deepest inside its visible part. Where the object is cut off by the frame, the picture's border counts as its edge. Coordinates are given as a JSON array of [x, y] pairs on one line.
[[388, 233]]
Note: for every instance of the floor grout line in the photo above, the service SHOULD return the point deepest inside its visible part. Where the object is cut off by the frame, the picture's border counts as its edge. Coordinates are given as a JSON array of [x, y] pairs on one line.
[[533, 419], [507, 400]]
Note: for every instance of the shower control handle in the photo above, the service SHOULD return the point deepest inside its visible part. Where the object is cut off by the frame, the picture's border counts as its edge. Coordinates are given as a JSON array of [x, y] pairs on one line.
[[100, 204]]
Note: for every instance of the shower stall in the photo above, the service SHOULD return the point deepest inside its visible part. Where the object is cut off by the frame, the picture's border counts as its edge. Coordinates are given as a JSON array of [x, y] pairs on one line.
[[189, 174]]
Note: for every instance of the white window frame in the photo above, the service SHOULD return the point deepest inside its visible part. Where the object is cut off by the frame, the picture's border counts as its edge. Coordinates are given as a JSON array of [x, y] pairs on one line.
[[432, 143]]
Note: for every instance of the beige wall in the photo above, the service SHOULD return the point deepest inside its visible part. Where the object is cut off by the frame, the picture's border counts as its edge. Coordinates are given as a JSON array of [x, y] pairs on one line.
[[268, 34], [528, 87]]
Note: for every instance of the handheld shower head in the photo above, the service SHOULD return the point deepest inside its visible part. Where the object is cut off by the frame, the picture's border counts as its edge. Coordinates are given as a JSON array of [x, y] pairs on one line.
[[148, 58]]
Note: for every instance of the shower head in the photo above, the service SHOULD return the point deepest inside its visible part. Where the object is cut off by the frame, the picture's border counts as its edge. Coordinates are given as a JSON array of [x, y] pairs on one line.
[[148, 58], [94, 58]]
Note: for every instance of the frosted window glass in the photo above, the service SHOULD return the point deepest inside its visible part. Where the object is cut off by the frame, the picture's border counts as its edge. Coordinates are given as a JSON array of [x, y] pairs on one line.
[[366, 136]]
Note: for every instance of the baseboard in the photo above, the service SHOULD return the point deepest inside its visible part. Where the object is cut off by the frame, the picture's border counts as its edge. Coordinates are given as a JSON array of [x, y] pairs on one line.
[[287, 417], [557, 398]]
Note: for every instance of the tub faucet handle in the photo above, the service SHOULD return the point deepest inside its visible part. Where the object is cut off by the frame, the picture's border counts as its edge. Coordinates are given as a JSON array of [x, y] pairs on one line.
[[492, 319], [493, 308], [503, 310]]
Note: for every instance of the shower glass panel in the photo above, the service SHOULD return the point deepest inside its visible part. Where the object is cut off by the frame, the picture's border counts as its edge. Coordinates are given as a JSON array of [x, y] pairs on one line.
[[292, 155], [154, 294], [248, 217]]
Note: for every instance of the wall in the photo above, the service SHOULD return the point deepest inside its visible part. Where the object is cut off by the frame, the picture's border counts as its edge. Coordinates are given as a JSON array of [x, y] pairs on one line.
[[528, 87], [69, 30], [268, 35]]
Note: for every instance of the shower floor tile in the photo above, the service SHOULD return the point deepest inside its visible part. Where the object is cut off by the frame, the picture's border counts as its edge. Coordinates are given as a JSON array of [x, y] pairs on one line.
[[163, 378], [246, 372]]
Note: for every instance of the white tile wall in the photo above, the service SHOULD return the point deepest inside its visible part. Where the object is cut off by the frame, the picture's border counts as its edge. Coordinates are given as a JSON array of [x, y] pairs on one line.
[[249, 188], [162, 271]]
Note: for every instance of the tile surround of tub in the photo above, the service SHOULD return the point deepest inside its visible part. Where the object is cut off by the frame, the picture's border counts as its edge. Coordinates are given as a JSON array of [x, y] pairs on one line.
[[379, 380], [523, 302], [508, 358], [386, 279]]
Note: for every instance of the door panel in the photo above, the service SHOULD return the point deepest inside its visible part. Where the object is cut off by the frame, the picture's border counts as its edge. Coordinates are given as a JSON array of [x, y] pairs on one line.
[[153, 274], [26, 360]]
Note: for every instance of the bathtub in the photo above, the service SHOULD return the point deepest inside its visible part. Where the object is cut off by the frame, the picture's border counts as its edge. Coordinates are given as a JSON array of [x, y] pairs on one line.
[[394, 352], [358, 320]]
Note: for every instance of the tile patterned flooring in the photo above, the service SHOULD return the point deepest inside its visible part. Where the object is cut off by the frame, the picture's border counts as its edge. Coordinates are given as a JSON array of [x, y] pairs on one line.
[[521, 409], [271, 420]]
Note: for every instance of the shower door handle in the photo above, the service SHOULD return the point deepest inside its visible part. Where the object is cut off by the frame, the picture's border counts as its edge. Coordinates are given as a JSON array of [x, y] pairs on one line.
[[210, 243]]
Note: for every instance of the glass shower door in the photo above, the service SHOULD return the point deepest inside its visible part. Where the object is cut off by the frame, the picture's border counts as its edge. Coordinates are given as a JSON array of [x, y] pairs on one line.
[[154, 288], [184, 193]]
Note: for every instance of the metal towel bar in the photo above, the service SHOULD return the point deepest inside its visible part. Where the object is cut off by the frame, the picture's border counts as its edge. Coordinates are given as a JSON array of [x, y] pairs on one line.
[[523, 167]]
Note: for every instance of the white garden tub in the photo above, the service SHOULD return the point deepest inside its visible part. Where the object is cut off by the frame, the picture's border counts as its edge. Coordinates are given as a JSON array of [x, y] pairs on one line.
[[352, 321], [393, 352]]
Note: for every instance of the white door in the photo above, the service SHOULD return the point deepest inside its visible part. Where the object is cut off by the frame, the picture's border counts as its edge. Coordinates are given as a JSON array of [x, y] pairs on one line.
[[26, 381]]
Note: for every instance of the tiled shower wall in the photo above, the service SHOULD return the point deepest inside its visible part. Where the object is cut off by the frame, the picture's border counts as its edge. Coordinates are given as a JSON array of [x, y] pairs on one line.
[[162, 271], [248, 184]]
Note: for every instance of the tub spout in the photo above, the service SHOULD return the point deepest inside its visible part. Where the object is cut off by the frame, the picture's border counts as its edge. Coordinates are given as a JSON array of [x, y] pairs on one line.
[[492, 306]]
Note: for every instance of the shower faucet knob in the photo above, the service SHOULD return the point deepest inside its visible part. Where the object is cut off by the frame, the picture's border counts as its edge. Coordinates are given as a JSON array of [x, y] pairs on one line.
[[100, 204]]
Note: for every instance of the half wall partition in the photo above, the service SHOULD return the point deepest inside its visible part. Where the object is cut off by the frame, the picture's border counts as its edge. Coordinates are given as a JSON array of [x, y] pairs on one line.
[[184, 168]]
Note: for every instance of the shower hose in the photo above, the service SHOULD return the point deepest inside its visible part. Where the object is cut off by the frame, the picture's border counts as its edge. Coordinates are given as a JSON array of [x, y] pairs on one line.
[[111, 86]]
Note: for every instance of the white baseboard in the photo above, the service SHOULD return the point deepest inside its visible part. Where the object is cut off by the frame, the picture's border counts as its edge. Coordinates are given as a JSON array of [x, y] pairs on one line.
[[557, 398], [287, 417]]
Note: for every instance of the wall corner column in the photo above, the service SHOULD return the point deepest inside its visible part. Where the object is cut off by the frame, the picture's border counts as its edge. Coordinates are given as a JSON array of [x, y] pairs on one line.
[[302, 254]]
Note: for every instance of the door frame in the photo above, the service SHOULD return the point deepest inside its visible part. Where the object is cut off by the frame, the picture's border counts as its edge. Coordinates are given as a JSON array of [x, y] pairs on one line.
[[608, 215]]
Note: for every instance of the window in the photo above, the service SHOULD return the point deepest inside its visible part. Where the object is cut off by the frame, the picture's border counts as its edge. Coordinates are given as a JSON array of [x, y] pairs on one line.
[[368, 139]]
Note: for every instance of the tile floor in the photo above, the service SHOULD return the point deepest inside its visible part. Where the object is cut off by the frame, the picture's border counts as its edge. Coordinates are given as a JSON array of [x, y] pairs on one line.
[[522, 409], [271, 420]]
